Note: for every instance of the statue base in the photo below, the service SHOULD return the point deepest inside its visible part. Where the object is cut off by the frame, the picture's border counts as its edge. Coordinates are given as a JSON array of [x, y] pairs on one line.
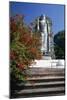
[[46, 56]]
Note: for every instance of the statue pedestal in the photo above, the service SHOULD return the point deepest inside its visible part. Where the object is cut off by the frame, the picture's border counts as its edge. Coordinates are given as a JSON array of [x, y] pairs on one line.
[[46, 57]]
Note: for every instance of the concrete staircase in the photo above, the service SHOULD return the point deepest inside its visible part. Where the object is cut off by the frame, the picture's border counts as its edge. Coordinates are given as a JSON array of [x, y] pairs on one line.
[[42, 82]]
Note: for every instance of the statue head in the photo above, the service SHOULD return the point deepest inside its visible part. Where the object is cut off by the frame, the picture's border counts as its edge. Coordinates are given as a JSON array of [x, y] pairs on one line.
[[42, 17]]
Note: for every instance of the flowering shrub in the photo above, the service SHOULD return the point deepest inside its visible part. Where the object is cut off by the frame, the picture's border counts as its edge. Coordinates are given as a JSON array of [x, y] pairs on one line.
[[24, 47]]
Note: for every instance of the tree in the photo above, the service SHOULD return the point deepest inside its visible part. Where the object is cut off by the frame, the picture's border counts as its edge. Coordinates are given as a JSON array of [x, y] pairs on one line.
[[59, 47]]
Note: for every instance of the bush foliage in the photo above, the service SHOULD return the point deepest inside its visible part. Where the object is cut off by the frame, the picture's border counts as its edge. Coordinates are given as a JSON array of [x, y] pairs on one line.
[[24, 47]]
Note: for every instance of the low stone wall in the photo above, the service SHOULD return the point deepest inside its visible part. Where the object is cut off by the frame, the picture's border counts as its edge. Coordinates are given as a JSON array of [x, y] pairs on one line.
[[49, 63]]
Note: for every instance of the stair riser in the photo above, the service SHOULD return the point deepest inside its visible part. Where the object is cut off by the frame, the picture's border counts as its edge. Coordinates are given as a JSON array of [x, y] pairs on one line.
[[42, 86], [46, 80], [45, 71], [41, 75]]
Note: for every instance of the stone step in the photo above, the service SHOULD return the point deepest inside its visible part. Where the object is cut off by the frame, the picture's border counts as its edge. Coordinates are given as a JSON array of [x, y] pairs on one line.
[[39, 94], [44, 71], [44, 74], [45, 78], [30, 85], [39, 90], [44, 83]]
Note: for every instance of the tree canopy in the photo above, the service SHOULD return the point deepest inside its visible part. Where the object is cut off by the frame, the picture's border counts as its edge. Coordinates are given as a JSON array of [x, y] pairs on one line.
[[59, 45]]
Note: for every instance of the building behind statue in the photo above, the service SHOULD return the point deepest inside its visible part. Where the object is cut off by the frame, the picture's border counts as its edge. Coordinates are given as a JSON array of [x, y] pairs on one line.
[[43, 25]]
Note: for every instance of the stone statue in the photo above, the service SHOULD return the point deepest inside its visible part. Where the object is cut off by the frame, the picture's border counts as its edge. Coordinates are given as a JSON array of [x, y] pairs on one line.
[[44, 26], [44, 34]]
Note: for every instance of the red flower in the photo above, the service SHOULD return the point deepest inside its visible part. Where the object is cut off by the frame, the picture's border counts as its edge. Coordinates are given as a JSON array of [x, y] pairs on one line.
[[33, 51], [21, 66], [12, 55]]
